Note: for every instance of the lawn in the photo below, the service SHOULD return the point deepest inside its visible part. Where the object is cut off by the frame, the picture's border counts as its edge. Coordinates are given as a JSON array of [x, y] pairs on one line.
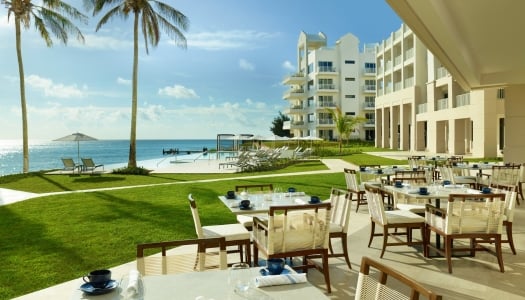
[[62, 237]]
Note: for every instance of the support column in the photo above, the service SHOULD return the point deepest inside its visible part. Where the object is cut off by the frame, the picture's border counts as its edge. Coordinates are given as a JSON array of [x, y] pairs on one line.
[[514, 150]]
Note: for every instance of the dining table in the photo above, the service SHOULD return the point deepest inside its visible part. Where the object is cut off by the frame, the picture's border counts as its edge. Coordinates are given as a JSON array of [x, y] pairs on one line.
[[207, 285], [261, 202]]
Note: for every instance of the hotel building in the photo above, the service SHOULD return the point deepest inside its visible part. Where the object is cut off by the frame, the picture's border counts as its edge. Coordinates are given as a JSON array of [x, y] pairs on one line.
[[330, 77], [420, 107]]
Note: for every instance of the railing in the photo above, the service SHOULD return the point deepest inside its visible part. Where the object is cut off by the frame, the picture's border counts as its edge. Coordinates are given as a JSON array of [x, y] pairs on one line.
[[325, 121], [409, 53], [326, 86], [398, 86], [369, 88], [296, 107], [388, 65], [397, 60], [442, 104], [441, 72], [463, 100], [422, 108], [325, 104], [368, 105], [326, 69], [370, 70], [409, 82]]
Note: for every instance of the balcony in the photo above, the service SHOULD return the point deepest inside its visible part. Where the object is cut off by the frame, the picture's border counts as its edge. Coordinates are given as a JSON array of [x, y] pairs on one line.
[[463, 100], [370, 71], [295, 109], [370, 123], [421, 108], [369, 106], [327, 70], [297, 78], [369, 88], [442, 104], [325, 122], [326, 87], [326, 104], [294, 94], [297, 125]]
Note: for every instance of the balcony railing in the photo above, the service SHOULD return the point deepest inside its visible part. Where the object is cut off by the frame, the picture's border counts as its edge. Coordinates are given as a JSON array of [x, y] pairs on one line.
[[370, 70], [369, 88], [421, 108], [442, 104], [398, 86], [326, 86], [325, 104], [409, 82], [326, 69], [369, 105], [294, 93], [409, 53], [462, 100], [325, 121], [441, 72]]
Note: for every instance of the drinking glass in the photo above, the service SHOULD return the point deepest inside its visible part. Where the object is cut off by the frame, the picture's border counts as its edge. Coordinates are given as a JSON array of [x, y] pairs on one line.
[[240, 278], [132, 286], [277, 193]]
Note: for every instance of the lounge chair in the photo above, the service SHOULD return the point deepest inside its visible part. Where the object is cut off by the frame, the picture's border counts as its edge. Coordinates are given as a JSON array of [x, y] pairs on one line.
[[89, 165], [70, 165]]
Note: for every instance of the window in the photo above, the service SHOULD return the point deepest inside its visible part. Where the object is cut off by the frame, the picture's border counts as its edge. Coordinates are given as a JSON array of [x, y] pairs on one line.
[[350, 79], [349, 62], [326, 101], [326, 83], [350, 113], [501, 94], [370, 102], [350, 96], [310, 101], [325, 66], [370, 67], [310, 68]]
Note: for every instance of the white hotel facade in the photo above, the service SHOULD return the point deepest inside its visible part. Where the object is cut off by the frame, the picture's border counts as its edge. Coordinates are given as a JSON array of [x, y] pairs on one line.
[[419, 106], [329, 77], [408, 98]]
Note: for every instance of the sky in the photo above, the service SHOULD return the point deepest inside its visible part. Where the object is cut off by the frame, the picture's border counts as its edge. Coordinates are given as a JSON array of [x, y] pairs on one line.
[[227, 80]]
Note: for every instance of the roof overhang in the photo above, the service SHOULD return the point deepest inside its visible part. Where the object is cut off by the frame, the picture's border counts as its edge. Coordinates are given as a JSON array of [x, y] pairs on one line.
[[481, 43]]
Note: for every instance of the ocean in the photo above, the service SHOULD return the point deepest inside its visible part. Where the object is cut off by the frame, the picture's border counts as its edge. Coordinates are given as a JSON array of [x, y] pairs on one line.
[[46, 155]]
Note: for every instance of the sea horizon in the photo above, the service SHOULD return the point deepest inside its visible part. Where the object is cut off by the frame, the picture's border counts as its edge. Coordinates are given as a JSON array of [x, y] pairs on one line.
[[46, 154]]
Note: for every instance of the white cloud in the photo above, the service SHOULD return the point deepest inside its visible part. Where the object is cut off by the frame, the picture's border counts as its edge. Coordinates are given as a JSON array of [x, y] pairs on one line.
[[92, 41], [52, 89], [227, 40], [246, 65], [287, 65], [123, 81], [179, 92]]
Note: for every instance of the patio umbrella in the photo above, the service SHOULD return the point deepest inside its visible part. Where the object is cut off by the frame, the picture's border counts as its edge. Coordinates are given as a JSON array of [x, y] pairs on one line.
[[76, 137]]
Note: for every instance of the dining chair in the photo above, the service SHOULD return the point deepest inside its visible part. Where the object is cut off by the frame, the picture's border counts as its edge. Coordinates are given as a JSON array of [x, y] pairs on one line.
[[502, 174], [412, 204], [392, 219], [366, 177], [339, 222], [508, 214], [354, 187], [475, 217], [247, 220], [295, 231], [458, 175], [235, 234], [370, 286], [170, 257]]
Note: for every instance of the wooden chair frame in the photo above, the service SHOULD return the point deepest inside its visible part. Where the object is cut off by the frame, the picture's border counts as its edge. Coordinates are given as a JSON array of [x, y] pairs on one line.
[[354, 187], [369, 287], [489, 235], [168, 266]]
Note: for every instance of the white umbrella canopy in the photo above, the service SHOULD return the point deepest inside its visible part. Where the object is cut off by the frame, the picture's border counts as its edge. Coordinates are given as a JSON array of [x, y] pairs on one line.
[[76, 137]]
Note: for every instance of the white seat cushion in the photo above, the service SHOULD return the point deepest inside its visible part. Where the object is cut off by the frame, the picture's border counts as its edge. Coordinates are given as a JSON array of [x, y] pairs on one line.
[[402, 216], [231, 232]]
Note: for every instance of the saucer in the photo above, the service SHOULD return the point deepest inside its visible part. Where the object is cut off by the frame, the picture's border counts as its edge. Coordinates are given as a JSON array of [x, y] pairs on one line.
[[90, 289], [245, 208], [424, 194], [231, 198], [316, 202]]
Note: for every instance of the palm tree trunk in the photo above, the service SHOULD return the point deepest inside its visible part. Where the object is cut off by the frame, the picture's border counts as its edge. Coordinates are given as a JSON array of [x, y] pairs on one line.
[[132, 161], [25, 141]]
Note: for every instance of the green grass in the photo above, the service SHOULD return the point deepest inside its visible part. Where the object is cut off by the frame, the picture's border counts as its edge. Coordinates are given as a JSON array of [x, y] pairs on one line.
[[62, 237], [49, 240]]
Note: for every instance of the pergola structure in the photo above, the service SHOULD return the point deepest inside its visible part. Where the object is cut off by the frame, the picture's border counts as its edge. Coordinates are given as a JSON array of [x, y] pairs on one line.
[[481, 44]]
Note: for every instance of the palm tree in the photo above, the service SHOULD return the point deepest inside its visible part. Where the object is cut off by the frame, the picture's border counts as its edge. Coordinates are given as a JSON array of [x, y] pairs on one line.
[[151, 20], [49, 17], [344, 124]]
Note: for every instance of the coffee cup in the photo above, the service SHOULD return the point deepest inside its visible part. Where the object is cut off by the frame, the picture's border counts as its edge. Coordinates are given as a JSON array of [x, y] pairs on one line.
[[245, 204], [98, 278], [486, 190], [362, 169], [423, 190], [446, 182], [379, 171], [414, 169], [399, 183], [275, 266], [291, 190], [314, 199], [474, 165], [230, 195]]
